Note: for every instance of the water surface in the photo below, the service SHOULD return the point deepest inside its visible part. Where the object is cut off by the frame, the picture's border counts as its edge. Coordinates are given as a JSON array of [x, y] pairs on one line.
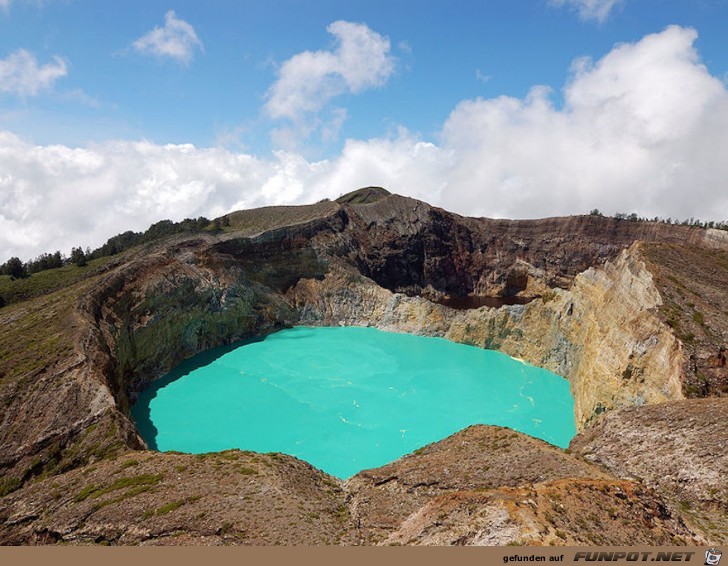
[[347, 399]]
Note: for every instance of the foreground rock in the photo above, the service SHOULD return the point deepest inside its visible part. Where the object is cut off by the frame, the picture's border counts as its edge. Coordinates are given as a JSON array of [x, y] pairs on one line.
[[573, 512], [680, 449], [483, 485], [478, 458], [171, 499]]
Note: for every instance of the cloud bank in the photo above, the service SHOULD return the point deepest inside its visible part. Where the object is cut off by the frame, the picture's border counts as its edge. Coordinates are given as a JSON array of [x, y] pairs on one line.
[[176, 40], [642, 129]]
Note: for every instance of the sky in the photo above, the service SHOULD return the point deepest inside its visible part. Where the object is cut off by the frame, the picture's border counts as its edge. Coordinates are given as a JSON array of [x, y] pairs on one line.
[[115, 115]]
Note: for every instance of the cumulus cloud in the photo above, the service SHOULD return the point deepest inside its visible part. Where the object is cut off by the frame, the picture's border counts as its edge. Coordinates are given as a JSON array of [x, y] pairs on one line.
[[54, 197], [642, 129], [360, 60], [597, 10], [176, 40], [20, 73]]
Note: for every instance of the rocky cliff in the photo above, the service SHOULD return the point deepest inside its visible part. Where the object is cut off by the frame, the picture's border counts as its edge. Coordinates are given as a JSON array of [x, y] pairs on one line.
[[600, 298], [603, 334]]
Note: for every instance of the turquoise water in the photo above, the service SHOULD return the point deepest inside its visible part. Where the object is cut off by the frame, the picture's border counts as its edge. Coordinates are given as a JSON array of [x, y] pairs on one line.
[[347, 399]]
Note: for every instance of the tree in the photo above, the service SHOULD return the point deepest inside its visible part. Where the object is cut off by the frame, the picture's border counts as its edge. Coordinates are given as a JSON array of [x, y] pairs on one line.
[[15, 268], [2, 302], [44, 262], [78, 257]]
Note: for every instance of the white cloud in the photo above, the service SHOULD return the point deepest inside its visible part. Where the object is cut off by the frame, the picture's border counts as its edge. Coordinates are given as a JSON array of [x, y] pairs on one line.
[[176, 40], [4, 4], [21, 75], [642, 129], [360, 60], [481, 76], [597, 10], [54, 197]]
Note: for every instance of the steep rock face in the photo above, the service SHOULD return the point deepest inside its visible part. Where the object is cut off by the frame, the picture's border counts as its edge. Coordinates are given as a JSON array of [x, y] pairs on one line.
[[121, 330], [189, 295], [58, 410], [603, 335], [408, 246]]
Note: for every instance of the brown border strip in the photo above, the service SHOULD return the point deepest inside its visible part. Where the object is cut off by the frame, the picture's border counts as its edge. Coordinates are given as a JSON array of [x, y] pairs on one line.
[[345, 556]]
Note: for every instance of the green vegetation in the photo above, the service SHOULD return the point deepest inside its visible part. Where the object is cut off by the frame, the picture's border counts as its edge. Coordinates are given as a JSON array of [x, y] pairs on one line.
[[48, 272], [687, 337], [691, 222], [37, 333], [675, 280], [14, 268], [246, 471], [140, 481], [78, 257], [254, 221], [163, 228], [365, 195], [342, 512], [15, 290], [164, 509], [8, 485]]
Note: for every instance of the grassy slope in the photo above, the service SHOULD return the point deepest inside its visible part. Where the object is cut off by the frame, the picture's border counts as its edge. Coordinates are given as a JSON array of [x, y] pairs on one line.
[[693, 284], [44, 282], [254, 221]]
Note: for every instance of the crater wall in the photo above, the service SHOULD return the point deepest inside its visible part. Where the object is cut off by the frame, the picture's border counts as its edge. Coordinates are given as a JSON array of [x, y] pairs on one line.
[[603, 334], [593, 318]]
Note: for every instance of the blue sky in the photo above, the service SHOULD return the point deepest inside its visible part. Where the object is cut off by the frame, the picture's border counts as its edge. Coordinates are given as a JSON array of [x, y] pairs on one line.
[[164, 109]]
